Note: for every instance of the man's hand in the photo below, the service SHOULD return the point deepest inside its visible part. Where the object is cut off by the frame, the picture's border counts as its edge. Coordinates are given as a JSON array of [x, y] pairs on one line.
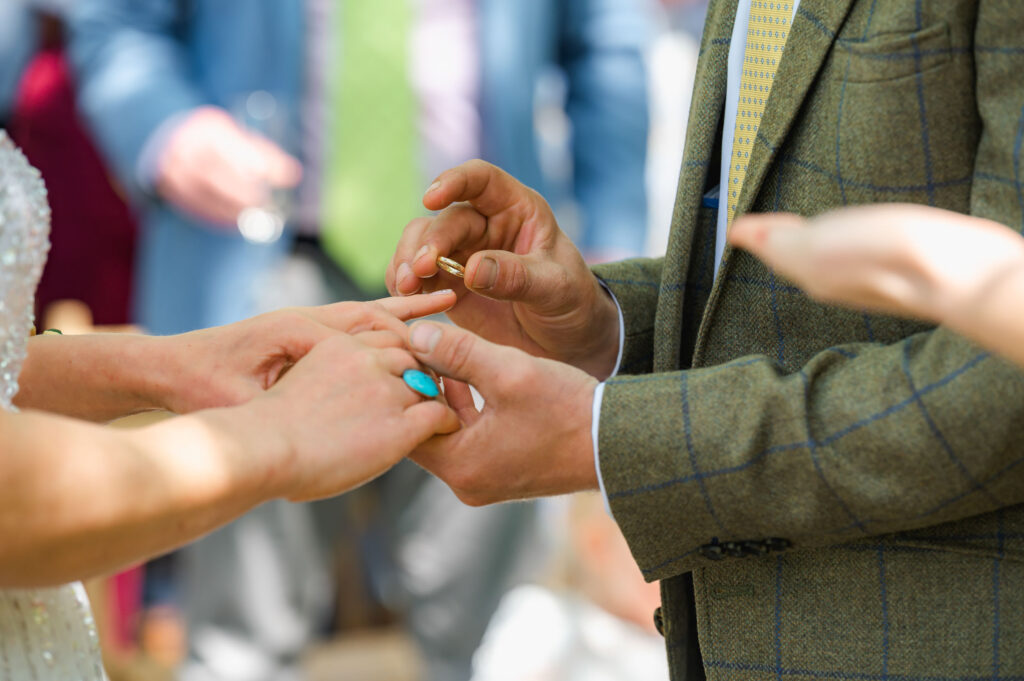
[[526, 284], [533, 436], [214, 169], [231, 364]]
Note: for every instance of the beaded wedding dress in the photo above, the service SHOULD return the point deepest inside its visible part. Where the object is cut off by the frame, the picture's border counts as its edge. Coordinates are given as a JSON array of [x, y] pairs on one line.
[[45, 634]]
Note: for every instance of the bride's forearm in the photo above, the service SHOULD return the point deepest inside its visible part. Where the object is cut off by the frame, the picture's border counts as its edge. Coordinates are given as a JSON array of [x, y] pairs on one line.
[[96, 377], [81, 500]]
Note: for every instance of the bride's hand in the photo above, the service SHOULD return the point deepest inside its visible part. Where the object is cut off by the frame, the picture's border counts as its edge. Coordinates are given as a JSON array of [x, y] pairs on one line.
[[231, 364], [343, 415], [899, 259]]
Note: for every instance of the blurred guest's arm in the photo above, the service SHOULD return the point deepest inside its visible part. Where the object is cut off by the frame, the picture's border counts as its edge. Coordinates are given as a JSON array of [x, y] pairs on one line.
[[132, 75], [18, 38], [152, 121], [961, 271], [602, 54], [100, 377], [210, 167]]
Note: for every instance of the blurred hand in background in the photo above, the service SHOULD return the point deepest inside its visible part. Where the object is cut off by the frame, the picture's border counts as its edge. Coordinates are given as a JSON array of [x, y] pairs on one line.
[[212, 168]]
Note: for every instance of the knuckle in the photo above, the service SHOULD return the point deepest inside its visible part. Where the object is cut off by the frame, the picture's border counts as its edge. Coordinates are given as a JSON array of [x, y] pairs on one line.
[[368, 358], [373, 310], [520, 379], [291, 319], [415, 225], [397, 356], [518, 281], [459, 352], [477, 165], [535, 197], [392, 340], [462, 480], [472, 498], [336, 346]]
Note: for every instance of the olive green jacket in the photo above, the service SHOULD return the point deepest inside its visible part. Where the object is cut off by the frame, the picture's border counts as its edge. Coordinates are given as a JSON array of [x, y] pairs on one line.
[[888, 456]]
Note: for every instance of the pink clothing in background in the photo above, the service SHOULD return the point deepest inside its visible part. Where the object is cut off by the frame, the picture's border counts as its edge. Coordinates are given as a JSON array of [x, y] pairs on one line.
[[93, 231]]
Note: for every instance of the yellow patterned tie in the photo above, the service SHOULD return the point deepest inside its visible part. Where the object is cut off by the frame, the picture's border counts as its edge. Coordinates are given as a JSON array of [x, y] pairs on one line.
[[766, 39]]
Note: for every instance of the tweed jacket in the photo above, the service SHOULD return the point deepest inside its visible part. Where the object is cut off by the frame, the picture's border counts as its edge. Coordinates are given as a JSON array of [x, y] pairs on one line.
[[846, 489]]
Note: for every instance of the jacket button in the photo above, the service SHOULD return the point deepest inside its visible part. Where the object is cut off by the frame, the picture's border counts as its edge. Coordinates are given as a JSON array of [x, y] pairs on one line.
[[754, 548], [733, 549], [777, 544], [712, 551], [659, 622]]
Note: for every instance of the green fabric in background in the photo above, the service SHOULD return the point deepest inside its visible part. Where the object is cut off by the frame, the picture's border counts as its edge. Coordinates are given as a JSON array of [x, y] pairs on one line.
[[372, 180]]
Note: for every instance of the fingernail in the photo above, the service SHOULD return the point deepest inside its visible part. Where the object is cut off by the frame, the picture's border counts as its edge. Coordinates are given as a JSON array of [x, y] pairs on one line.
[[424, 337], [486, 274], [436, 185], [442, 292], [422, 252], [404, 272]]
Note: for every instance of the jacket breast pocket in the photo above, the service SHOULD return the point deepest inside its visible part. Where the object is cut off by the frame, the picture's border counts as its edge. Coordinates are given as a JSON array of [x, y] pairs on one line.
[[888, 56], [907, 128]]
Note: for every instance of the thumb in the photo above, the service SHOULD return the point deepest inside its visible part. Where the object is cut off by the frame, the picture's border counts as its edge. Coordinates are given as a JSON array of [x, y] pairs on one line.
[[456, 353], [503, 275]]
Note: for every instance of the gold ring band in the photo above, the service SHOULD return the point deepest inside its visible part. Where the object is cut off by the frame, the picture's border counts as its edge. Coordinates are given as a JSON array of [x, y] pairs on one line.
[[451, 267]]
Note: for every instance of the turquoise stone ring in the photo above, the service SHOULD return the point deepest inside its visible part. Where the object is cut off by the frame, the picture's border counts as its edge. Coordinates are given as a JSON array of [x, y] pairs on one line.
[[421, 383]]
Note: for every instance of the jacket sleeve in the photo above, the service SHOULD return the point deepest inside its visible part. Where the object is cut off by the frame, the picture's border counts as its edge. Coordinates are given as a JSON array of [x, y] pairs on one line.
[[635, 284], [863, 439], [132, 75], [602, 53]]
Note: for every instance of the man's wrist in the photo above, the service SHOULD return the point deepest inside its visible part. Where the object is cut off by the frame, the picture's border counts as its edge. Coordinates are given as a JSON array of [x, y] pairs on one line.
[[602, 358]]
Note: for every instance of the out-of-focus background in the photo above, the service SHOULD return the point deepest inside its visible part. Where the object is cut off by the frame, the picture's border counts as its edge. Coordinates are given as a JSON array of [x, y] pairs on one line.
[[208, 160]]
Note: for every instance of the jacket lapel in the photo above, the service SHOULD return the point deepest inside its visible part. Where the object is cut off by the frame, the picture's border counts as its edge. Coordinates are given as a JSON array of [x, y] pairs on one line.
[[704, 122], [814, 32]]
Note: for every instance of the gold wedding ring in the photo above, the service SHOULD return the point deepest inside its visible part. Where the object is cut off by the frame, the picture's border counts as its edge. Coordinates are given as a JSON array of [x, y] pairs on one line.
[[451, 267]]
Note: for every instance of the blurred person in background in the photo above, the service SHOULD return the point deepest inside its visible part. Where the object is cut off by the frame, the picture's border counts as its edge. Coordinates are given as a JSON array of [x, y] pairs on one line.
[[17, 42], [93, 234], [672, 65], [354, 99], [591, 623]]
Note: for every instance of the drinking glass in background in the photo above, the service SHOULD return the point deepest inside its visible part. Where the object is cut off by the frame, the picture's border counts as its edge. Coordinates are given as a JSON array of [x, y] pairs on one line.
[[261, 113]]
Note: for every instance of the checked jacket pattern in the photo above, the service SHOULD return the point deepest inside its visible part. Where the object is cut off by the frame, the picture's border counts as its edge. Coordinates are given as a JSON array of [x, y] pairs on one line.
[[889, 453]]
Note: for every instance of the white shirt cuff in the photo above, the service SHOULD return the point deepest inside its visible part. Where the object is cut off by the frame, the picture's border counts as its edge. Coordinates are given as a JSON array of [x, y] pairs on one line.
[[594, 429], [622, 329], [599, 396]]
